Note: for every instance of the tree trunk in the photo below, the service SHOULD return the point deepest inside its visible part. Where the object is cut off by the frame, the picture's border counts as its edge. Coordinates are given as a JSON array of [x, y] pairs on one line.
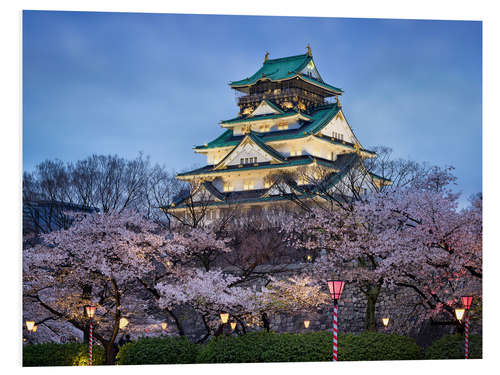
[[111, 352], [371, 294], [265, 321], [370, 322]]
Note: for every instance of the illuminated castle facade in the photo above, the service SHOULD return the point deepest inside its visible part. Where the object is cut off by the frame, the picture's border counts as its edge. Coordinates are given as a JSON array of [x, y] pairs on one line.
[[289, 120]]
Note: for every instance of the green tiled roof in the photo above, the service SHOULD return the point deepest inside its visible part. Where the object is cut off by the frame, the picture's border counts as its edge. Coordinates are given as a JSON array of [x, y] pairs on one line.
[[282, 69], [319, 119], [262, 117], [271, 151], [303, 160], [380, 177], [276, 69]]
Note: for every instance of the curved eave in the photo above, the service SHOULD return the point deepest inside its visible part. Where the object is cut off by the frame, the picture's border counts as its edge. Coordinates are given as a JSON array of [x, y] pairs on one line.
[[350, 146], [265, 118], [214, 173], [333, 90]]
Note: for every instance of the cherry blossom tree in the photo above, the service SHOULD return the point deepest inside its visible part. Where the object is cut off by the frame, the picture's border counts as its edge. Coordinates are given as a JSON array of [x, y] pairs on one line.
[[412, 236], [95, 261]]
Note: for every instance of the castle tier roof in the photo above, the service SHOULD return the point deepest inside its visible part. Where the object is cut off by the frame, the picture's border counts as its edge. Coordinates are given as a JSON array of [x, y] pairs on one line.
[[282, 69], [319, 118], [340, 168]]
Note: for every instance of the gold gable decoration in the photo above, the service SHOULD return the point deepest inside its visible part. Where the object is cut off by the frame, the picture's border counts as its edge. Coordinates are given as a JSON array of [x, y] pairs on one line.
[[357, 147]]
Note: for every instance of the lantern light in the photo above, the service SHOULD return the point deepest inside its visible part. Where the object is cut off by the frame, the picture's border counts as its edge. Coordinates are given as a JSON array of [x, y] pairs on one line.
[[224, 317], [164, 326], [233, 325], [90, 310], [467, 301], [123, 322], [459, 313], [29, 325], [336, 287], [306, 323], [385, 321], [35, 328]]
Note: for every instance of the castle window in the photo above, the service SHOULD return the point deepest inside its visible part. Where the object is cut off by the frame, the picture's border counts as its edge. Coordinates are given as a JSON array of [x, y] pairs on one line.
[[283, 126], [248, 160], [248, 185], [228, 186], [295, 152]]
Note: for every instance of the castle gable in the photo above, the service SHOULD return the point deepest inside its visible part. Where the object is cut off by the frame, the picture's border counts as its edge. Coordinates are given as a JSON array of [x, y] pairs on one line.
[[338, 128]]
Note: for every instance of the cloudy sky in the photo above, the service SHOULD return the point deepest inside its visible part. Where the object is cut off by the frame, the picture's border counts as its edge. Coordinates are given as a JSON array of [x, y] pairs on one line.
[[124, 83]]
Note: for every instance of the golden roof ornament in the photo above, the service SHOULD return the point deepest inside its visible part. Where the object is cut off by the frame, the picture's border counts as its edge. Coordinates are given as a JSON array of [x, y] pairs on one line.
[[266, 57], [309, 50], [357, 147], [338, 101]]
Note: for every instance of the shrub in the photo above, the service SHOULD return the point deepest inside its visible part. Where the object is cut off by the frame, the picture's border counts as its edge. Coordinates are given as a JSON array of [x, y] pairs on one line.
[[372, 346], [52, 354], [314, 346], [452, 347], [158, 350]]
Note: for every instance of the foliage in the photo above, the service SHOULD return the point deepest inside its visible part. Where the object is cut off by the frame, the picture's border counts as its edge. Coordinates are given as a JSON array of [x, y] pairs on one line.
[[158, 350], [52, 354], [452, 347], [307, 347]]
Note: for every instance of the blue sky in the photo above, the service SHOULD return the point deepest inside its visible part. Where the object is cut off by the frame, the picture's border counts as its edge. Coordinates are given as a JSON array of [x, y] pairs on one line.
[[122, 83]]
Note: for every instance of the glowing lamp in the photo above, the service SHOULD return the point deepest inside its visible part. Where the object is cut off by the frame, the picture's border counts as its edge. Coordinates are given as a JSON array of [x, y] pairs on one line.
[[306, 323], [123, 323], [233, 325], [224, 317], [385, 322], [35, 328], [466, 301], [336, 287], [29, 325], [164, 326], [459, 313], [90, 310]]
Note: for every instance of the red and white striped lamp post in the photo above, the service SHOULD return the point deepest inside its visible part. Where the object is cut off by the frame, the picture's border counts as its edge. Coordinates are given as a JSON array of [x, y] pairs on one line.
[[90, 310], [467, 301], [336, 287]]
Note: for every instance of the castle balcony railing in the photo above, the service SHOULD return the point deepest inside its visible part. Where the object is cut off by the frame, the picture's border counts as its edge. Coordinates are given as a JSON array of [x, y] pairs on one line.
[[280, 95]]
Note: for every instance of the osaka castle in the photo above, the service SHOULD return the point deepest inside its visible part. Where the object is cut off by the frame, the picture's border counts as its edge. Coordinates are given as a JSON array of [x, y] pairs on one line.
[[290, 137]]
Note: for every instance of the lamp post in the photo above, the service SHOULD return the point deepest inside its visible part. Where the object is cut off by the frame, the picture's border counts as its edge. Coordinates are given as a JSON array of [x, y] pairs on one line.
[[385, 322], [164, 326], [466, 301], [123, 323], [306, 323], [29, 325], [233, 326], [336, 287], [224, 317], [90, 310]]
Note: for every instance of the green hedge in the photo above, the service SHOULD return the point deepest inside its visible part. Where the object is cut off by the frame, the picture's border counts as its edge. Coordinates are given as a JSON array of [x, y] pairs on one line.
[[452, 347], [315, 346], [51, 354], [158, 350]]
